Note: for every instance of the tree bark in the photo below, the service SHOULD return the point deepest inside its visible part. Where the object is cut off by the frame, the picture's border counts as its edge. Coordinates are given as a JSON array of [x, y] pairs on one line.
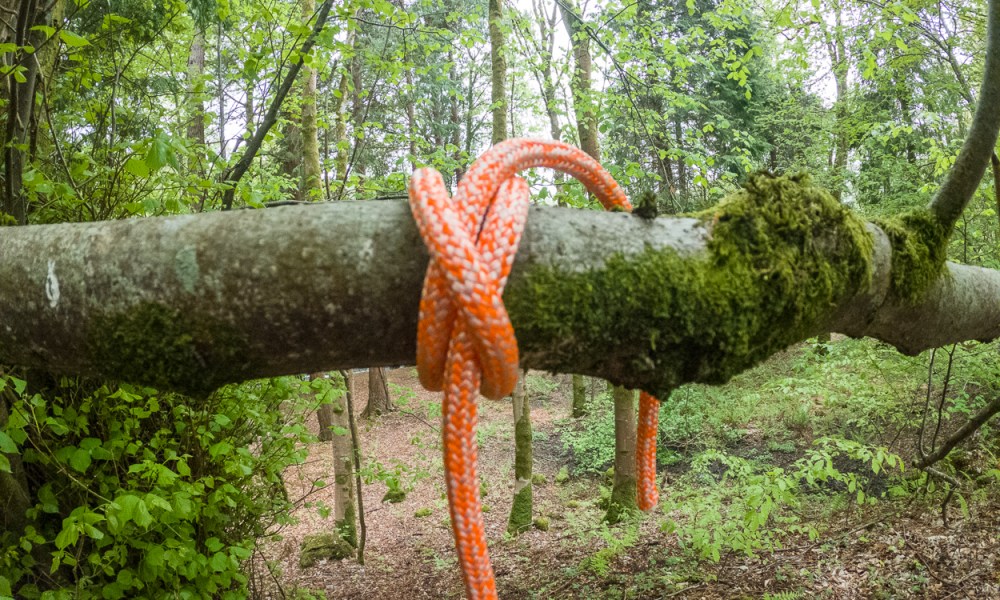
[[961, 434], [18, 28], [312, 183], [543, 72], [837, 49], [15, 499], [379, 402], [196, 110]]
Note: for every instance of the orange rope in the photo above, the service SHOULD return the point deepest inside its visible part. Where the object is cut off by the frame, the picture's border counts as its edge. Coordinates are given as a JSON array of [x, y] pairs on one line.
[[465, 342]]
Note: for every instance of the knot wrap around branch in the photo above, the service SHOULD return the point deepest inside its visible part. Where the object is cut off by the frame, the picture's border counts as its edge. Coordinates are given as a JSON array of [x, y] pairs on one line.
[[465, 341]]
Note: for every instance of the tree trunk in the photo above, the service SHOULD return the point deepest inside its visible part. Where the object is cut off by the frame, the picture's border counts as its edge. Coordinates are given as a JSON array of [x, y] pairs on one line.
[[239, 298], [579, 396], [15, 499], [325, 416], [583, 101], [312, 184], [232, 175], [837, 49], [411, 119], [344, 512], [586, 123], [623, 492], [196, 110], [220, 75], [499, 70], [20, 96], [379, 402], [358, 114], [543, 47], [521, 509]]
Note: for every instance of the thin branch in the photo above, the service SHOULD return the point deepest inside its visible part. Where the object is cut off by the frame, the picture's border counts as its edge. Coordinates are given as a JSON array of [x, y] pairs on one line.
[[964, 177], [232, 175], [970, 427]]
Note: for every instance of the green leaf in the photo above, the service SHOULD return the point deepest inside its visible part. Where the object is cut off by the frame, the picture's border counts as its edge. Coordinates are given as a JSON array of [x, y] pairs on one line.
[[45, 29], [80, 460], [48, 500], [69, 534], [142, 516], [213, 544], [137, 167], [71, 39], [7, 444], [219, 562], [157, 155]]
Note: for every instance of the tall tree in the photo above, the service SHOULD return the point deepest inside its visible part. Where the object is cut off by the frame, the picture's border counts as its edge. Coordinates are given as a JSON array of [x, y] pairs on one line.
[[584, 105], [521, 508], [624, 486]]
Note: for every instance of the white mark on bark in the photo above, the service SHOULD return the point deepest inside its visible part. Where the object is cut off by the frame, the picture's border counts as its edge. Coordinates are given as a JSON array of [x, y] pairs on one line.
[[186, 268], [52, 285], [367, 251]]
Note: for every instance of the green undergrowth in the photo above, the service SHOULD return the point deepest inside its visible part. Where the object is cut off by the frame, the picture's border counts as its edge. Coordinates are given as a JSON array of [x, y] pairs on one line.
[[781, 253], [786, 451], [138, 493]]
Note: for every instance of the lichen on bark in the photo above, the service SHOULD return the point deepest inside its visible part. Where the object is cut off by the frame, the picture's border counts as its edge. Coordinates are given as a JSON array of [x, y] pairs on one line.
[[781, 254]]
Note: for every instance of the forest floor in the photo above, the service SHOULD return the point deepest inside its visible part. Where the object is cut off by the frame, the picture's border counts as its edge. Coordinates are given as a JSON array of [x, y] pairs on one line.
[[893, 549]]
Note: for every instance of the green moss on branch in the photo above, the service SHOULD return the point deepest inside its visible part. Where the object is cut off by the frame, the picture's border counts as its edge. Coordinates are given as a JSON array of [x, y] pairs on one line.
[[919, 250], [163, 347], [781, 254]]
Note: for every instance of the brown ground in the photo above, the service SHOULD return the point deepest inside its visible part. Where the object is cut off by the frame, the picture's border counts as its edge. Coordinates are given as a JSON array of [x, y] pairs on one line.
[[890, 551]]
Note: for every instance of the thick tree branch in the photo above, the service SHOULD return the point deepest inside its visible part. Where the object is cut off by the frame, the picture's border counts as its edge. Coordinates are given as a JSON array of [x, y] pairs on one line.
[[969, 167], [191, 302]]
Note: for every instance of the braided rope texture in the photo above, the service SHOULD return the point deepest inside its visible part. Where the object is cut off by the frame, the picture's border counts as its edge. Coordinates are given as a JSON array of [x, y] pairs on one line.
[[465, 341]]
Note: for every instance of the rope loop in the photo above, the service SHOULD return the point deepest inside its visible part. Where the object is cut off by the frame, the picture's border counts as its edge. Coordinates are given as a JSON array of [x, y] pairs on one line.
[[465, 341]]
